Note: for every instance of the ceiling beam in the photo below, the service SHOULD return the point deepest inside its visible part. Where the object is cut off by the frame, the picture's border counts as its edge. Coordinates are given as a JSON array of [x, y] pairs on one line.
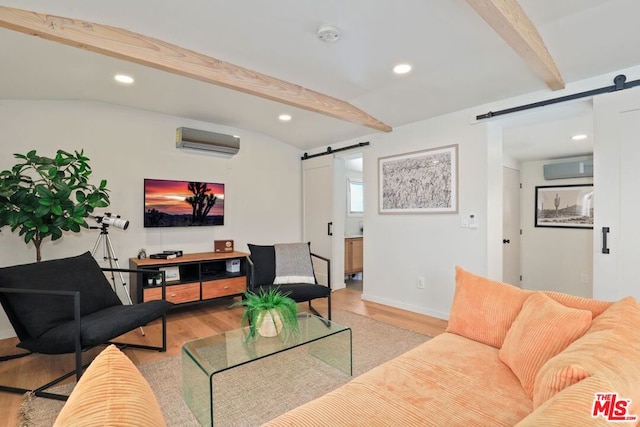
[[129, 46], [508, 19]]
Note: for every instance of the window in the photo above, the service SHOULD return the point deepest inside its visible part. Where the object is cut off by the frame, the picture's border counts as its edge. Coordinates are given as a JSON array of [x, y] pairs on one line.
[[355, 198]]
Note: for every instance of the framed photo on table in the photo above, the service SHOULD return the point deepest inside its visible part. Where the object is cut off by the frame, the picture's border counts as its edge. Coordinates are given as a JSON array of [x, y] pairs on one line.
[[172, 274], [419, 182], [564, 206]]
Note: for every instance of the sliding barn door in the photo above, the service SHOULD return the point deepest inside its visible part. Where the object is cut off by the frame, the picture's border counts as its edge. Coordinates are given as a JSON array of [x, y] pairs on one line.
[[317, 177], [616, 233]]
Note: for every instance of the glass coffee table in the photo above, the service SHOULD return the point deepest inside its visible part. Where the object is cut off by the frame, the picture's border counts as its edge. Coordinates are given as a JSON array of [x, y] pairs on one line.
[[203, 358]]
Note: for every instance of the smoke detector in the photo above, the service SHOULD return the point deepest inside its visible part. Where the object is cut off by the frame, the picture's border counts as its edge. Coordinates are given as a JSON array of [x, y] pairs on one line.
[[328, 33]]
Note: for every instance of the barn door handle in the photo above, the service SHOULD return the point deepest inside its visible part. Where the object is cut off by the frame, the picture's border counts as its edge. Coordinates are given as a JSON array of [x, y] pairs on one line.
[[605, 231], [330, 228]]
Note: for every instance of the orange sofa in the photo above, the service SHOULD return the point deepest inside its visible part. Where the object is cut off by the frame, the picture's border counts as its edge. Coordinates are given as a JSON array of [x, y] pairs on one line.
[[509, 357]]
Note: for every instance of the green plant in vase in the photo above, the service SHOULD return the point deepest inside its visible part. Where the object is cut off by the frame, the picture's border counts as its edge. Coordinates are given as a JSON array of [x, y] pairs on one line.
[[269, 313]]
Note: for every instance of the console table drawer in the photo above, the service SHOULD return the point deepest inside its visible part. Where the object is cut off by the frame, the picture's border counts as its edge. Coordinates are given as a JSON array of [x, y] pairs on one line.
[[223, 287], [176, 293]]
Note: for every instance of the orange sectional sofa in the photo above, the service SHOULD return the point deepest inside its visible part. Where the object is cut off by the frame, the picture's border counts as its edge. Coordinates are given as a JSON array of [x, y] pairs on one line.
[[509, 357]]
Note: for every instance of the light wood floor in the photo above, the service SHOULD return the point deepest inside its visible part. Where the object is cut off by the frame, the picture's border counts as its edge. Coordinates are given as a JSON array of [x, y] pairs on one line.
[[185, 324]]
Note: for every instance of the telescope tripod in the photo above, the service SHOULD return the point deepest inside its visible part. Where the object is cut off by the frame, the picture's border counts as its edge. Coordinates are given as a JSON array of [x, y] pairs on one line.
[[109, 254]]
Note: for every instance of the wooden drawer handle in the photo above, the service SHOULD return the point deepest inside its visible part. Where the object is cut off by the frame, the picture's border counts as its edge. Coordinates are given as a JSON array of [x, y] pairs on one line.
[[226, 287], [172, 295]]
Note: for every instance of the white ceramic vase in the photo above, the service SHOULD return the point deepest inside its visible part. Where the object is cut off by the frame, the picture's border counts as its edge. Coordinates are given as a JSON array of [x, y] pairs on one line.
[[271, 324]]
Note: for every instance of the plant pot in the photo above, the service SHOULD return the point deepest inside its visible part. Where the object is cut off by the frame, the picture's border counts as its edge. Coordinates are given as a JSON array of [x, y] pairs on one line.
[[271, 324]]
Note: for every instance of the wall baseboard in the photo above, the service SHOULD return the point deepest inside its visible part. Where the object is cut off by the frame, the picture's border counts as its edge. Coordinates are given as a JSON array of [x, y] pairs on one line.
[[7, 333], [408, 307]]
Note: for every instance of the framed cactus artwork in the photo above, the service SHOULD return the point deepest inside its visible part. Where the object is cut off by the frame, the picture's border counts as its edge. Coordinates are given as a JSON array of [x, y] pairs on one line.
[[564, 206]]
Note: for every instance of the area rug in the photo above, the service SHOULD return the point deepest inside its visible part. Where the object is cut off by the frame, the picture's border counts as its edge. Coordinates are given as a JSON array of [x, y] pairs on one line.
[[260, 391]]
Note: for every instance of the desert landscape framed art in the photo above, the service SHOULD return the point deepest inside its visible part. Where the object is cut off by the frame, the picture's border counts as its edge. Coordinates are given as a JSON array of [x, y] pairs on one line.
[[564, 206]]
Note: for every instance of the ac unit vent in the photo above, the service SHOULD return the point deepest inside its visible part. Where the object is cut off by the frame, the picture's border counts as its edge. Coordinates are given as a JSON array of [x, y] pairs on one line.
[[573, 169], [207, 141]]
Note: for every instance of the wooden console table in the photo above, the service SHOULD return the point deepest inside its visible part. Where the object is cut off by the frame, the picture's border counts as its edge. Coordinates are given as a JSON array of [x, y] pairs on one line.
[[191, 278]]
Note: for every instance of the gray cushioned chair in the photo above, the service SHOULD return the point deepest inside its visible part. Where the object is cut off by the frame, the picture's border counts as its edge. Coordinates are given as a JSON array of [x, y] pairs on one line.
[[68, 306], [262, 274]]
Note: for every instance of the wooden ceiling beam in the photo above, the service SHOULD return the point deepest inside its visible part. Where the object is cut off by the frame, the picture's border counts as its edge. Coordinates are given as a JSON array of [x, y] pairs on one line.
[[508, 19], [129, 46]]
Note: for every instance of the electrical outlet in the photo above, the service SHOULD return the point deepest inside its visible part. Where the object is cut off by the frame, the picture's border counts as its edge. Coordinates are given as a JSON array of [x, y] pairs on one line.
[[420, 282]]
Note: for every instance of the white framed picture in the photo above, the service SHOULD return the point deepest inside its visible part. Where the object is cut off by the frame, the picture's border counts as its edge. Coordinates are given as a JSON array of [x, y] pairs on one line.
[[419, 182], [172, 274]]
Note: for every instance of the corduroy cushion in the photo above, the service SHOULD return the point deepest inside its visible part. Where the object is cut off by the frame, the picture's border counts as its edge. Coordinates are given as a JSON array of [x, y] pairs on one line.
[[596, 307], [573, 406], [542, 329], [555, 379], [483, 310], [611, 346], [112, 392]]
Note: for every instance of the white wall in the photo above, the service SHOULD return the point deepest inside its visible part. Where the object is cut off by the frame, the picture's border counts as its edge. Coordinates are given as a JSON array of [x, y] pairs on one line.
[[557, 259], [398, 248], [125, 146]]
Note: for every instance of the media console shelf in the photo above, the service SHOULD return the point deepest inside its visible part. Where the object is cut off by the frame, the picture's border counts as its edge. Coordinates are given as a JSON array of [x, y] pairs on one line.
[[191, 278]]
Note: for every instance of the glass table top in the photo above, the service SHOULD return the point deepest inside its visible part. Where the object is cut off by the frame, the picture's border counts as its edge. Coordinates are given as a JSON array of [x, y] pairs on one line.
[[229, 349]]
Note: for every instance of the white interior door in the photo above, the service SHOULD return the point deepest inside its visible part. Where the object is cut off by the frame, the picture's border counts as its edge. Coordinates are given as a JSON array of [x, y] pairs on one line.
[[317, 177], [511, 226], [616, 202]]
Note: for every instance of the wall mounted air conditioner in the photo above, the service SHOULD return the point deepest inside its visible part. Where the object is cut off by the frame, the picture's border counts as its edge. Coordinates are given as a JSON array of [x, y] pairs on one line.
[[577, 168], [227, 145]]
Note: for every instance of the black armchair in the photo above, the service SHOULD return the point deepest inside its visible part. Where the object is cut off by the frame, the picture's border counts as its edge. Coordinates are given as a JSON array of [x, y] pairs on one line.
[[288, 267], [68, 306]]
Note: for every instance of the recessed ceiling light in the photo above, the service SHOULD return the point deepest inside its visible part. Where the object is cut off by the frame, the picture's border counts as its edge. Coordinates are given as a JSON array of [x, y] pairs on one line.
[[123, 78], [579, 137], [284, 117], [402, 68]]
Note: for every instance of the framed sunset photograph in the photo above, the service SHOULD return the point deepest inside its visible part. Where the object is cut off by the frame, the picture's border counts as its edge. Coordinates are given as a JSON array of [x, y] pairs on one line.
[[169, 203]]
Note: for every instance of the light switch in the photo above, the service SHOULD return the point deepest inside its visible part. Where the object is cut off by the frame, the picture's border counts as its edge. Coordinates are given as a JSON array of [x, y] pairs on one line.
[[473, 221], [464, 221]]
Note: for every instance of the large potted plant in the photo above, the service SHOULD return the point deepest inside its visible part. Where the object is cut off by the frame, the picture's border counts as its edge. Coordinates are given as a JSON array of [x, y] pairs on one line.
[[269, 313], [42, 197]]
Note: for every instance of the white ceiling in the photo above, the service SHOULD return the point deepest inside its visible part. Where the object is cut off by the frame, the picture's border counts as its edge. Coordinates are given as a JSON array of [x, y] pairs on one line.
[[458, 60]]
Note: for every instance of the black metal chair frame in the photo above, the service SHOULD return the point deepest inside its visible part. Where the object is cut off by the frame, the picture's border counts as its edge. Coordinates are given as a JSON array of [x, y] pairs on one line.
[[79, 369], [251, 283]]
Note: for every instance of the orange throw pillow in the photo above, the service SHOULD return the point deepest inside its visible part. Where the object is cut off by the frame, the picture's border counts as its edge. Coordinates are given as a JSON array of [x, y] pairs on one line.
[[111, 392], [610, 347], [543, 329], [483, 310]]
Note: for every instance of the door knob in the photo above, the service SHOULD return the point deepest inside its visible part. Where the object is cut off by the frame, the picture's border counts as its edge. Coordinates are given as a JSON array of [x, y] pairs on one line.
[[506, 241]]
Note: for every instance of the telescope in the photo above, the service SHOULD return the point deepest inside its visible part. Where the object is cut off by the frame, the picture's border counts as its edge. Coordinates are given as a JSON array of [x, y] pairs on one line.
[[110, 219]]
